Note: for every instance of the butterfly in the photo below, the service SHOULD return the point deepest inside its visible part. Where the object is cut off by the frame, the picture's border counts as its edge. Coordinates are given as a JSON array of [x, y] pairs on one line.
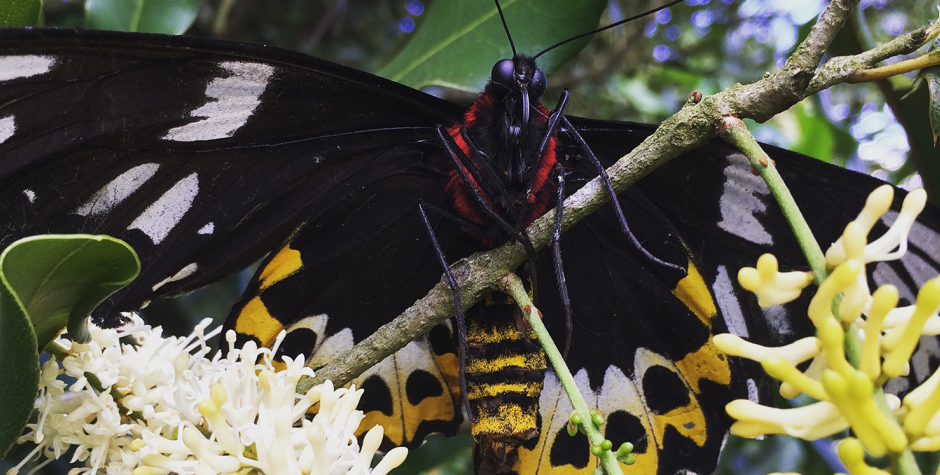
[[206, 155]]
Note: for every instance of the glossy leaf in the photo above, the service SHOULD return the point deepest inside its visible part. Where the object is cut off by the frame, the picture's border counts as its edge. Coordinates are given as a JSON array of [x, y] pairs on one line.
[[170, 17], [62, 278], [20, 12], [459, 42], [19, 364]]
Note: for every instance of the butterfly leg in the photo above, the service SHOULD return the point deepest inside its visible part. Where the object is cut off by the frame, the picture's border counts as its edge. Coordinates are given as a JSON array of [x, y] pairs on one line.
[[459, 314], [571, 131], [556, 257]]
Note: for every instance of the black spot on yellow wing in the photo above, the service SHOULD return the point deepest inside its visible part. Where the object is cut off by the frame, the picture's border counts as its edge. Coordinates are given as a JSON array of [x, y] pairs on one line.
[[660, 405], [380, 397], [299, 340], [664, 391], [422, 385], [410, 393]]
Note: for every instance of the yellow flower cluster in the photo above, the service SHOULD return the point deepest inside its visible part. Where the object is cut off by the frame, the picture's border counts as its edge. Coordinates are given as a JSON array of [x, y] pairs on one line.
[[848, 395]]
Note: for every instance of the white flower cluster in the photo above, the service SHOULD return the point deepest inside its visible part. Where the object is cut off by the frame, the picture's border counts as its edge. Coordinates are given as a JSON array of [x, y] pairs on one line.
[[161, 406]]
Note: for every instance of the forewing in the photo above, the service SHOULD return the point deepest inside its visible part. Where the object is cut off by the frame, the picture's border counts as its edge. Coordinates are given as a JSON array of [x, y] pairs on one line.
[[202, 155]]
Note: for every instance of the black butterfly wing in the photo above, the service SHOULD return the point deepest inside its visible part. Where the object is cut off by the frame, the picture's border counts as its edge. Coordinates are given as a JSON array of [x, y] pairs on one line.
[[202, 155], [643, 354]]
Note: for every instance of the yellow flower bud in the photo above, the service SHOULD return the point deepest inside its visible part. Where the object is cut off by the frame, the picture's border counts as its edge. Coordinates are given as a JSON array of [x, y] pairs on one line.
[[878, 202], [919, 394], [778, 367], [922, 414], [926, 444], [896, 237], [839, 390], [853, 456], [820, 308], [832, 337], [884, 299], [810, 422], [900, 343], [796, 352], [770, 286]]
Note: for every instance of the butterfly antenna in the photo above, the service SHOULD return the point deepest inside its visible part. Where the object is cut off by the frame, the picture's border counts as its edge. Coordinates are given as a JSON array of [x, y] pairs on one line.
[[506, 27], [612, 25]]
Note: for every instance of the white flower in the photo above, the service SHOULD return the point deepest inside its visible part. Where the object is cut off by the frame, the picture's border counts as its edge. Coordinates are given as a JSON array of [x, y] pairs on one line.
[[162, 406]]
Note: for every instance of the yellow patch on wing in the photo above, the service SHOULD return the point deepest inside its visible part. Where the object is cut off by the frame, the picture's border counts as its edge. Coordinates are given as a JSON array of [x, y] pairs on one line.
[[449, 365], [694, 293], [255, 320], [708, 362], [282, 265], [406, 417], [688, 421]]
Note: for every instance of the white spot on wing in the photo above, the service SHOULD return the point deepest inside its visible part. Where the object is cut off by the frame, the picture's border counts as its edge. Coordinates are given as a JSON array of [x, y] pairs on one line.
[[236, 95], [922, 362], [182, 274], [207, 229], [24, 66], [752, 394], [778, 320], [117, 190], [741, 202], [164, 214], [728, 303], [7, 128], [885, 274], [555, 407], [30, 195], [332, 346]]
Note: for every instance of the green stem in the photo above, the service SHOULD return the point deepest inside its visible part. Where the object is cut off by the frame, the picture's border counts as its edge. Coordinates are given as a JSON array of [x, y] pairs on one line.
[[512, 285]]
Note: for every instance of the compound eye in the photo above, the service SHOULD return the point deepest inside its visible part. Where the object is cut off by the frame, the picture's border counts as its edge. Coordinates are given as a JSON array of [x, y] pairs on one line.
[[538, 83], [504, 73]]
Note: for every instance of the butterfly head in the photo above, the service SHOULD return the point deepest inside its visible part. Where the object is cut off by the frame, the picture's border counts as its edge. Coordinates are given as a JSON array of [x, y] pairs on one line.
[[519, 75]]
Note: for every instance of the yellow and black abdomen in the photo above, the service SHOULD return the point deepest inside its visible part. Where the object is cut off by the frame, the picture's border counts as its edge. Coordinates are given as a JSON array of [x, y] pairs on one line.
[[505, 373]]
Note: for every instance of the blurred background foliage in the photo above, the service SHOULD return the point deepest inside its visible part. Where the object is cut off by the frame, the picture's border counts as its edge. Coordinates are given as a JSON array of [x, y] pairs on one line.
[[643, 71]]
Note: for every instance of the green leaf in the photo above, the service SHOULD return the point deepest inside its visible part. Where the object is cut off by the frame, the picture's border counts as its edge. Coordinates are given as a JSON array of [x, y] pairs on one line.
[[815, 136], [932, 76], [19, 365], [459, 42], [171, 17], [20, 12], [61, 278]]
